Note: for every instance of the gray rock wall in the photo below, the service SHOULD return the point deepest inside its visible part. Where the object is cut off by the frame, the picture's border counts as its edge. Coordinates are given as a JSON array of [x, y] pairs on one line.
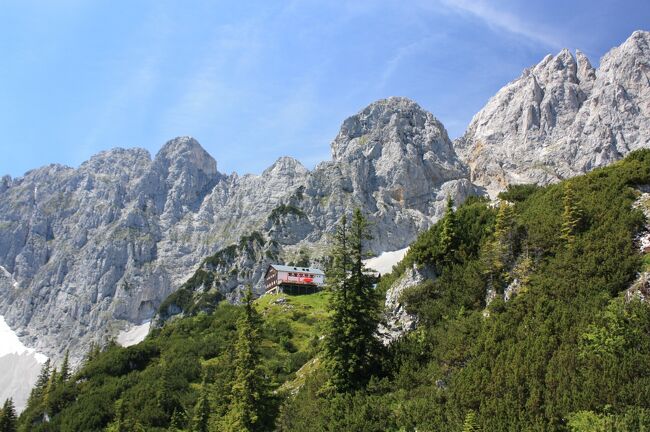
[[99, 247], [562, 118]]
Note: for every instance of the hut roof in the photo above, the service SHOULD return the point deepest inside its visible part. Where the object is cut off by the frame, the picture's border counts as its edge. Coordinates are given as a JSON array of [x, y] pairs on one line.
[[287, 268]]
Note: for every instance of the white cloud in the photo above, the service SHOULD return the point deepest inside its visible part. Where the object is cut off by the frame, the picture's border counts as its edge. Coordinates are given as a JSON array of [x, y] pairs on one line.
[[504, 20], [400, 55]]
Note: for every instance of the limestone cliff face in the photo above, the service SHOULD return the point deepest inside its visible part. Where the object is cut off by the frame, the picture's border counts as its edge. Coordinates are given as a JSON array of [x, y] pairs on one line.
[[93, 249], [562, 118], [395, 161]]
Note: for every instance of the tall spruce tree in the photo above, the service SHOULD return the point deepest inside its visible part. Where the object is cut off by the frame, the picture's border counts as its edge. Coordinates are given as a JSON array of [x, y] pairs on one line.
[[48, 394], [8, 421], [448, 233], [93, 352], [64, 374], [504, 232], [201, 419], [351, 347], [38, 391], [166, 394], [246, 410], [498, 254], [570, 215]]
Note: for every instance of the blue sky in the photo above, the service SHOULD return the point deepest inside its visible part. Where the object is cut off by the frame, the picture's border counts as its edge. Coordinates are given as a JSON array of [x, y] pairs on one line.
[[255, 80]]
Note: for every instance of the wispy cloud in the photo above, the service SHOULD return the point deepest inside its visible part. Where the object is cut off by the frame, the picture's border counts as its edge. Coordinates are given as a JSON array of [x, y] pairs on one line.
[[504, 20], [400, 55]]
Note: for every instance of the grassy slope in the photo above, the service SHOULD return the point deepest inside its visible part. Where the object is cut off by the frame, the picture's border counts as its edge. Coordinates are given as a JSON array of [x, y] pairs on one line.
[[165, 372]]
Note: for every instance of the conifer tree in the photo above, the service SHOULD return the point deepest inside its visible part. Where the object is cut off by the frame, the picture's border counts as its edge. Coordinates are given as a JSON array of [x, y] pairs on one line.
[[523, 269], [498, 253], [8, 421], [504, 232], [64, 374], [118, 424], [49, 391], [470, 424], [350, 343], [38, 391], [448, 234], [570, 215], [93, 351], [166, 394], [201, 412], [249, 389], [44, 376]]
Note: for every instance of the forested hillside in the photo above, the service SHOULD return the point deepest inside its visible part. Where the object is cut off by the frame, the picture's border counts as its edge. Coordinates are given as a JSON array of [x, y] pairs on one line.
[[526, 326]]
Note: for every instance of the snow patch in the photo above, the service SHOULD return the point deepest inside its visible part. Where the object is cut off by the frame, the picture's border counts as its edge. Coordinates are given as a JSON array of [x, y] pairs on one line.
[[384, 263], [134, 335], [19, 366], [11, 344], [18, 374]]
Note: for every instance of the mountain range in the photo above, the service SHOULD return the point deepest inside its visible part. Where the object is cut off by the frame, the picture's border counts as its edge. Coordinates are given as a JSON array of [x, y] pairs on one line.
[[90, 251]]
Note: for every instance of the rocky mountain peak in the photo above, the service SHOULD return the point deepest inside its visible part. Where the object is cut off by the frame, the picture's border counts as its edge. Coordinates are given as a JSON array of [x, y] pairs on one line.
[[586, 71], [638, 38], [391, 114], [562, 66], [635, 50], [629, 63], [186, 152], [285, 166], [183, 174], [562, 118], [117, 160], [393, 128]]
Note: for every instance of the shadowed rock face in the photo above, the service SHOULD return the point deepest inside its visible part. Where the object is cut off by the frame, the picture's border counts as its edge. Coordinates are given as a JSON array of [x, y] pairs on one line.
[[562, 118], [91, 250]]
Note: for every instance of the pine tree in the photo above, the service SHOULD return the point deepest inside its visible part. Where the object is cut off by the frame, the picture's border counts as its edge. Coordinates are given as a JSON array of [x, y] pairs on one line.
[[119, 423], [166, 394], [498, 254], [93, 352], [249, 389], [523, 269], [470, 424], [64, 374], [44, 376], [8, 422], [38, 391], [570, 216], [201, 412], [504, 232], [49, 391], [350, 343], [448, 233]]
